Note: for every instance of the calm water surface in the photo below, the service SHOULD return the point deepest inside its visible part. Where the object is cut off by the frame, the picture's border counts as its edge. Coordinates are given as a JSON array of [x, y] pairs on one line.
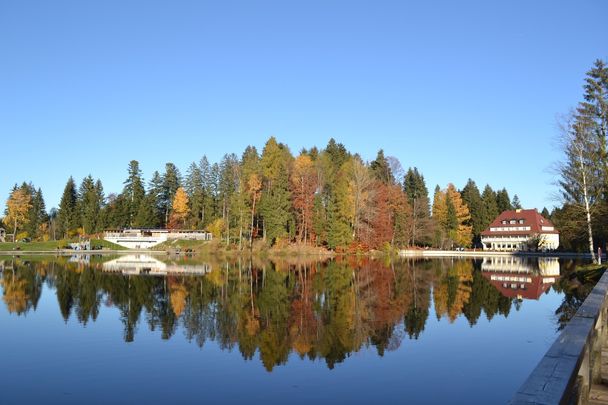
[[138, 329]]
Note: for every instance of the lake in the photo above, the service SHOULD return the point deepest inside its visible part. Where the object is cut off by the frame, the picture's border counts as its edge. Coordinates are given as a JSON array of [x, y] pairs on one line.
[[144, 329]]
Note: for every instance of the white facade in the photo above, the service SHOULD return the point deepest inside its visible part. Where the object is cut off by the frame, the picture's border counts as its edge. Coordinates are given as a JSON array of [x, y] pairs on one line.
[[148, 238], [510, 243], [148, 265], [520, 230]]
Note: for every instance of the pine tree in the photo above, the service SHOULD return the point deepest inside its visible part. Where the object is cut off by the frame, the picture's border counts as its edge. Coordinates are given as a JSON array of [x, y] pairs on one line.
[[471, 196], [67, 216], [594, 109], [171, 181], [381, 170], [37, 215], [418, 197], [275, 203], [516, 204], [196, 194], [490, 206], [155, 195], [503, 202], [133, 191], [88, 205], [147, 216], [207, 210]]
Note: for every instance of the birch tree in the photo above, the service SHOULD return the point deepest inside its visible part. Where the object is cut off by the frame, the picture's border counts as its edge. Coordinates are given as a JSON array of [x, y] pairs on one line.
[[580, 173]]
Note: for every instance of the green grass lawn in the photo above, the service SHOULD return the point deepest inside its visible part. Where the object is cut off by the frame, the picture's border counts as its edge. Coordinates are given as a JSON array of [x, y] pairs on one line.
[[54, 245]]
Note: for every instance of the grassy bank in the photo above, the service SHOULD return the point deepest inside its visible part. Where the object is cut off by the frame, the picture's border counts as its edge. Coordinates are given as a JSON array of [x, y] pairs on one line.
[[54, 245], [259, 248]]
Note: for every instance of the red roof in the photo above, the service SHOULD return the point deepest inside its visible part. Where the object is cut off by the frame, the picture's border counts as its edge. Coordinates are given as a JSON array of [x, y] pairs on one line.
[[516, 289], [531, 218]]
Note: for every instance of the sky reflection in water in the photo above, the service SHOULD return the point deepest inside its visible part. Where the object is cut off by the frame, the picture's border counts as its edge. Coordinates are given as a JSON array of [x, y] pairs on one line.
[[145, 329]]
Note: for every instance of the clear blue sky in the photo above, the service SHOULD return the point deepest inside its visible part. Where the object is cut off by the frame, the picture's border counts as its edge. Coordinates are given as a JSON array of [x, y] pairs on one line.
[[457, 88]]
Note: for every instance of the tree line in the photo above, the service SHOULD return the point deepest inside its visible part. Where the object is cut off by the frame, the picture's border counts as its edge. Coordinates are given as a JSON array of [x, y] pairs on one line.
[[329, 197]]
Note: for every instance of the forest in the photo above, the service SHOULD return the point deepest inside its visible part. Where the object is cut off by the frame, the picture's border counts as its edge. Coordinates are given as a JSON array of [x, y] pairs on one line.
[[328, 197]]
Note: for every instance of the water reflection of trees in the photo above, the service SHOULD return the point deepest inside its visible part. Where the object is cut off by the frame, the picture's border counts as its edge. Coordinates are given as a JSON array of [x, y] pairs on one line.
[[319, 310]]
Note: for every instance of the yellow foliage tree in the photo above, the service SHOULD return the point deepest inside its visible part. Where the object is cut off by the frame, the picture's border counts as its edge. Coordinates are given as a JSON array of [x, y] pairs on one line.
[[216, 228], [17, 207], [452, 215], [15, 295], [178, 295], [180, 208]]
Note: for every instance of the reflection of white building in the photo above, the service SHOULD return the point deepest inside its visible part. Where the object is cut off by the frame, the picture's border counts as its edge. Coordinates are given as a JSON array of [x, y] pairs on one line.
[[148, 265], [147, 238], [521, 230], [521, 277]]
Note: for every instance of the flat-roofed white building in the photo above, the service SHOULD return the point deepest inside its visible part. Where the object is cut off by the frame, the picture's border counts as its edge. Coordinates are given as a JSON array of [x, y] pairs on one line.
[[520, 230], [147, 238]]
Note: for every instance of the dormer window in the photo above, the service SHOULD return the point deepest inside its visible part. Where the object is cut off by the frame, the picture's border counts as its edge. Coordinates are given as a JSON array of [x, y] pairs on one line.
[[504, 222], [521, 221]]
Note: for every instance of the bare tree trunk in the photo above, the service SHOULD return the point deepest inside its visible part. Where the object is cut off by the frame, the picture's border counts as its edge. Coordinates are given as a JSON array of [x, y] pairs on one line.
[[241, 228], [252, 219]]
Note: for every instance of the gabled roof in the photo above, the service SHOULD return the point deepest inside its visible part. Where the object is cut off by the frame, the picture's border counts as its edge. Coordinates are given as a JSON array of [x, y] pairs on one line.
[[530, 291], [531, 218]]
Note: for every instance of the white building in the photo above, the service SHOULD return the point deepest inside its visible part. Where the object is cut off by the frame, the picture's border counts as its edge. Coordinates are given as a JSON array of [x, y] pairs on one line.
[[520, 230], [521, 277], [2, 235], [147, 238], [148, 265]]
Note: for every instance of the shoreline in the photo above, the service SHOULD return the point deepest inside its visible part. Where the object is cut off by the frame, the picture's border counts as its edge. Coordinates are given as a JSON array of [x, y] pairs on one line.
[[405, 253], [481, 253]]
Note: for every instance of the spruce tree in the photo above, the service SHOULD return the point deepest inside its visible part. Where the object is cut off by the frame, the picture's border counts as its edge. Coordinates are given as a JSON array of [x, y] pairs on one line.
[[207, 209], [88, 205], [516, 204], [418, 198], [67, 215], [196, 194], [472, 197], [275, 203], [155, 195], [545, 213], [381, 170], [133, 190], [503, 202], [490, 206], [170, 183]]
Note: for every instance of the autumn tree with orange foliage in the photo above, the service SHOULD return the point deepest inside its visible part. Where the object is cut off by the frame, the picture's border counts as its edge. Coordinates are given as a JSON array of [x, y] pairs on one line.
[[304, 182]]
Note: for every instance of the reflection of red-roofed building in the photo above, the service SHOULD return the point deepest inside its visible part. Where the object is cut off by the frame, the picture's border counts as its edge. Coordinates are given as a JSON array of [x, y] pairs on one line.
[[520, 230], [521, 278]]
